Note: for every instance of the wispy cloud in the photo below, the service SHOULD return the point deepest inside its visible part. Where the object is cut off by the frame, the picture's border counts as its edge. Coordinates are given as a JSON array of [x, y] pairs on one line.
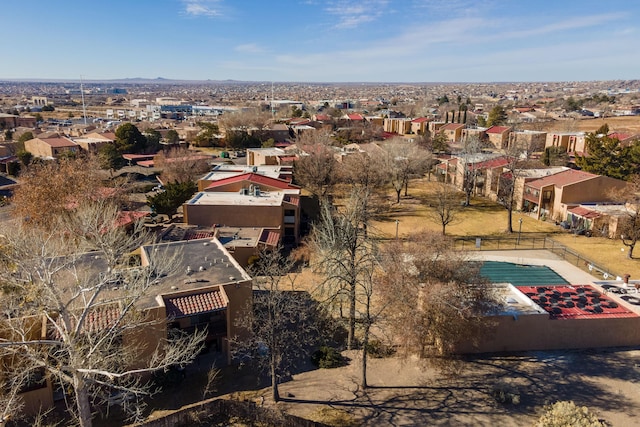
[[210, 8], [352, 15], [466, 48], [249, 48]]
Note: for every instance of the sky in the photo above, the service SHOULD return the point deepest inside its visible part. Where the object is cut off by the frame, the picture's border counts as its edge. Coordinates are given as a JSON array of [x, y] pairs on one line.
[[322, 40]]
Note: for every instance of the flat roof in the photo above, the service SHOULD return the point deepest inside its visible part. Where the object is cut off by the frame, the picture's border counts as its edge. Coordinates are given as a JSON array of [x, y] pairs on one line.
[[270, 198], [233, 237], [201, 263], [575, 302]]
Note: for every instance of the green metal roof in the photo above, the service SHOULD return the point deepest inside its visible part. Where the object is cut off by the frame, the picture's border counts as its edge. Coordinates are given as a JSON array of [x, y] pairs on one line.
[[520, 274]]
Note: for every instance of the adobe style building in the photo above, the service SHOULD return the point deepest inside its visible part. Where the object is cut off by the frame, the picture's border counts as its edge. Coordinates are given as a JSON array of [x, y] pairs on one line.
[[453, 131], [550, 197], [573, 142], [269, 156], [51, 147], [207, 289], [248, 200], [498, 136], [530, 140]]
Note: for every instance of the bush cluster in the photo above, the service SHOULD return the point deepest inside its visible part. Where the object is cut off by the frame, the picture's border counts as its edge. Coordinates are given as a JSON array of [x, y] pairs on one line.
[[327, 357]]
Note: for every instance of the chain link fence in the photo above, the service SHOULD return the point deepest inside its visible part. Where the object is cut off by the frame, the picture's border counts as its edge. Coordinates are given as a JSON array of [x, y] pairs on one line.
[[528, 243]]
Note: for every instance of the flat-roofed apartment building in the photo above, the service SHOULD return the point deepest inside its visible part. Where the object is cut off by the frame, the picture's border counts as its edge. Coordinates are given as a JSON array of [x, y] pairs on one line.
[[248, 200], [206, 289]]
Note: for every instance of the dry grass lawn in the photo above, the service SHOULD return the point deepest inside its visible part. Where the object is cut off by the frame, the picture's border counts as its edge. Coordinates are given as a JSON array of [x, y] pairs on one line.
[[485, 218]]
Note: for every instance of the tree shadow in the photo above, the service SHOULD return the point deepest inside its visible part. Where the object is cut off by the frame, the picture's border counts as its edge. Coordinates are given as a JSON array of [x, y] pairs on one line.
[[467, 396]]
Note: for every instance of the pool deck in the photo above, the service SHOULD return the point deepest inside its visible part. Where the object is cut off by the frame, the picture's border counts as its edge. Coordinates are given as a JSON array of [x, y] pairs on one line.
[[571, 273]]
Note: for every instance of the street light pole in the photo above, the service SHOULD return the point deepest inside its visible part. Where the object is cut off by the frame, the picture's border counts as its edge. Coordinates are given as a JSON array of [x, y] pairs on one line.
[[519, 230]]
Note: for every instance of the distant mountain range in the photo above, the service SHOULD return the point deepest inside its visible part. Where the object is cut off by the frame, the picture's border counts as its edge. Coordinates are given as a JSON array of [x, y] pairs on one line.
[[128, 80]]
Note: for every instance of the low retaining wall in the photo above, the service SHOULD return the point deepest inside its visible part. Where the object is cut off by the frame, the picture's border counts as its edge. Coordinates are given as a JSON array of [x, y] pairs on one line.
[[539, 332], [249, 411]]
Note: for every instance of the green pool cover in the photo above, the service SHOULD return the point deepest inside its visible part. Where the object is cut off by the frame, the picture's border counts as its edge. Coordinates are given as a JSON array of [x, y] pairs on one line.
[[520, 275]]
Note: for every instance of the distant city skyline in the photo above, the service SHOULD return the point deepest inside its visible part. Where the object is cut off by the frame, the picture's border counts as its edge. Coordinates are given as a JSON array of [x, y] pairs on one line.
[[322, 41]]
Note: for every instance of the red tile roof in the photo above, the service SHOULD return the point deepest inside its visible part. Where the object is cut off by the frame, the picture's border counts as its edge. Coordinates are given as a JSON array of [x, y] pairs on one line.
[[492, 163], [560, 179], [187, 305], [420, 120], [129, 217], [584, 212], [270, 237], [255, 179], [620, 136], [322, 117], [59, 142], [292, 200], [195, 234], [99, 318], [355, 116], [497, 129]]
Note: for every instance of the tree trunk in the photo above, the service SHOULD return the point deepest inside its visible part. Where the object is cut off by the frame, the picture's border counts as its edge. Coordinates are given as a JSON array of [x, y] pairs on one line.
[[444, 226], [365, 344], [82, 401], [398, 195], [509, 220], [352, 316], [630, 253], [275, 393], [406, 188]]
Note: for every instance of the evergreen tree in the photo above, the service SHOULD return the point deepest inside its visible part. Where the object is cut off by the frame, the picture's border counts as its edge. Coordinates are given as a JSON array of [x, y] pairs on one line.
[[129, 139], [174, 195], [497, 116], [606, 156]]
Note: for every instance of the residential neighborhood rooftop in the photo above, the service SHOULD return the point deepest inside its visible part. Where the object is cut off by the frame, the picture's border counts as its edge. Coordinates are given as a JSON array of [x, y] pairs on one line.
[[201, 263]]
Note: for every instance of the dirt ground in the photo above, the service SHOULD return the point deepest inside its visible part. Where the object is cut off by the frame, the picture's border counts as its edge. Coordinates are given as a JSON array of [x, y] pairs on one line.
[[409, 393]]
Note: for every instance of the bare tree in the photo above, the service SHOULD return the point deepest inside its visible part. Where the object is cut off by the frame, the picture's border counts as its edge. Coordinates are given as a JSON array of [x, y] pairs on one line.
[[76, 277], [345, 255], [468, 163], [518, 155], [316, 167], [365, 174], [180, 165], [629, 227], [445, 204], [436, 297], [404, 160], [282, 323], [247, 121]]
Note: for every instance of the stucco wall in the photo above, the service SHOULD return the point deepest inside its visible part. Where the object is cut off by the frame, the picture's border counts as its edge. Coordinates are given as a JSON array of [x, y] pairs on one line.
[[234, 216], [539, 332]]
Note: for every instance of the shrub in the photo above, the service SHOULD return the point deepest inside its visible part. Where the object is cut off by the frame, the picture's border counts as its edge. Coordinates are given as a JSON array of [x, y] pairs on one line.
[[506, 395], [334, 417], [327, 357], [568, 414], [379, 350]]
